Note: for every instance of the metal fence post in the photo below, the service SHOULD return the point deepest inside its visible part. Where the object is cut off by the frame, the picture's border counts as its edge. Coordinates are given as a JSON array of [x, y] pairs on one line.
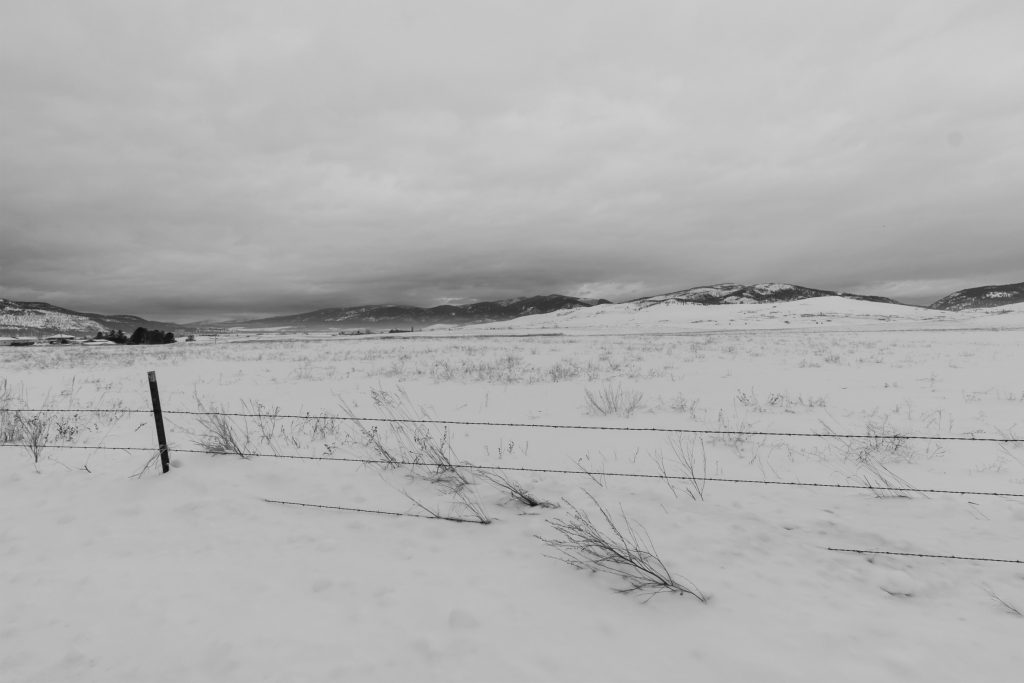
[[158, 416]]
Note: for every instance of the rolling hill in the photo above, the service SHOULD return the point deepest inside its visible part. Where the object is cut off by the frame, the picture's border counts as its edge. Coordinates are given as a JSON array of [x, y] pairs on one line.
[[38, 318], [981, 297], [396, 316], [731, 293]]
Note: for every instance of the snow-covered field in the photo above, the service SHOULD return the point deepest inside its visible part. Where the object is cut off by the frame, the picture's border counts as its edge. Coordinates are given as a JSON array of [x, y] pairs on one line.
[[193, 576]]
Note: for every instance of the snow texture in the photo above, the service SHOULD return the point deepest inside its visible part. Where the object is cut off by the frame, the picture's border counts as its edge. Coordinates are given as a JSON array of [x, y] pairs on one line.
[[193, 576]]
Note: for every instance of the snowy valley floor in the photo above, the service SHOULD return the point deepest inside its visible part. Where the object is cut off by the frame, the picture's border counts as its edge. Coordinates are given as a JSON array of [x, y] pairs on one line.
[[193, 576]]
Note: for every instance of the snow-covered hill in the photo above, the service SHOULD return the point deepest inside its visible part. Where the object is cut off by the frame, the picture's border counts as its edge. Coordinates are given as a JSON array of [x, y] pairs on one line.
[[732, 293], [833, 312], [38, 318], [981, 297]]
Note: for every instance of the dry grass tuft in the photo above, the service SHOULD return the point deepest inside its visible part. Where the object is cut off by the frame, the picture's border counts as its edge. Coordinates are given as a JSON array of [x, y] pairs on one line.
[[612, 399]]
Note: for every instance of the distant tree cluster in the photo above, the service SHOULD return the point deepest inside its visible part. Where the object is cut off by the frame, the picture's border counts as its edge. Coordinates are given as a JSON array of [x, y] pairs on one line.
[[140, 336], [116, 336], [143, 336]]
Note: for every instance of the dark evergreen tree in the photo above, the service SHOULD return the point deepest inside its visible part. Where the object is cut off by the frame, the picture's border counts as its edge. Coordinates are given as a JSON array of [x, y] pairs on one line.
[[143, 336]]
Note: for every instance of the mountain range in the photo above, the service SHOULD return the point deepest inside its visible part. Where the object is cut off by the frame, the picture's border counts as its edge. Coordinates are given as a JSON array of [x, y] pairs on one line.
[[387, 315], [41, 318]]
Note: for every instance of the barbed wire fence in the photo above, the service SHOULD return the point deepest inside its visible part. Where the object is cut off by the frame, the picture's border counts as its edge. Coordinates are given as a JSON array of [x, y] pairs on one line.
[[531, 425], [543, 470], [164, 454]]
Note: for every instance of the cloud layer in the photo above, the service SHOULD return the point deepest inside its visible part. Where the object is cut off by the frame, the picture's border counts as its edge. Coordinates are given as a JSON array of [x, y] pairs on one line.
[[222, 158]]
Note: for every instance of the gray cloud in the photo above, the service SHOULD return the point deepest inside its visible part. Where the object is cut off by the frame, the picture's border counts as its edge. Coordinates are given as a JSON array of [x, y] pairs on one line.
[[219, 158]]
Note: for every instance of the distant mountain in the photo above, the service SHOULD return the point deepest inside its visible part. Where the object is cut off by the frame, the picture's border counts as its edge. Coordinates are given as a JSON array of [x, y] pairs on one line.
[[731, 293], [35, 318], [395, 316], [981, 297], [38, 318]]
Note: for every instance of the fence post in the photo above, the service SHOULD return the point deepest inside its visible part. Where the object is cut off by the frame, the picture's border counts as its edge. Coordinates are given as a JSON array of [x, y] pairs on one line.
[[165, 459]]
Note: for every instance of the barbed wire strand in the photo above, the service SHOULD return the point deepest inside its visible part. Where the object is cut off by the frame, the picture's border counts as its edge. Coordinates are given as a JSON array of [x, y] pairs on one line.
[[938, 557], [122, 411], [81, 448], [376, 512], [533, 425], [539, 470]]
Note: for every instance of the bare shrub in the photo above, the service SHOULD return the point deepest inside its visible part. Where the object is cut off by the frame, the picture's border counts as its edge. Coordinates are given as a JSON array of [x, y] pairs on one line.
[[880, 442], [320, 426], [779, 401], [693, 465], [883, 482], [622, 549], [265, 419], [681, 404], [443, 371], [10, 427], [514, 489], [220, 434], [732, 431], [35, 430], [813, 401], [401, 437], [373, 440], [66, 427], [749, 401], [466, 508], [10, 418], [15, 428], [467, 503], [613, 400], [33, 433], [563, 370]]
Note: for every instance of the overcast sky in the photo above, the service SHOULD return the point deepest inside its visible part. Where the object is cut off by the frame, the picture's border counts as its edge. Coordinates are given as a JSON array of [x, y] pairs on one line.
[[211, 158]]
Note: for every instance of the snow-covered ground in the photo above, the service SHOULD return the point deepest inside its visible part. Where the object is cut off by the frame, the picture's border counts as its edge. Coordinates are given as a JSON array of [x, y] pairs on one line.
[[193, 576], [819, 313]]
